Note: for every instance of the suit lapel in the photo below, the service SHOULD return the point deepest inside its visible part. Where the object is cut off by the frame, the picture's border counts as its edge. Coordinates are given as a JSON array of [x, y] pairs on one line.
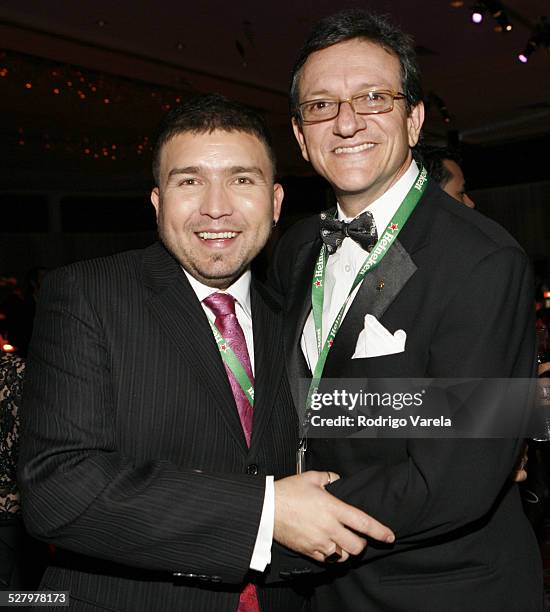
[[382, 286], [377, 291], [176, 307], [298, 302], [300, 307], [267, 324]]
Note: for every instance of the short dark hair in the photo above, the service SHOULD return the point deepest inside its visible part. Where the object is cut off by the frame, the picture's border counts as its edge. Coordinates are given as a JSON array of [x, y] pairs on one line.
[[362, 24], [432, 158], [202, 114]]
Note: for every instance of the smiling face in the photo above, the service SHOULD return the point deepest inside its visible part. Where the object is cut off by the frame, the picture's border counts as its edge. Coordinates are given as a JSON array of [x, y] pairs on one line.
[[215, 203], [361, 156]]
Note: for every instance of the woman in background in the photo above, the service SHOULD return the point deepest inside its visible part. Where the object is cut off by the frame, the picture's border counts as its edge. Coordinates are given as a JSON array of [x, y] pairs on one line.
[[12, 535]]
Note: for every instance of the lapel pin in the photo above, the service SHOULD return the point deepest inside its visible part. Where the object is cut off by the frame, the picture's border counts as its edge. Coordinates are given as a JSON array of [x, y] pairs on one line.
[[380, 285]]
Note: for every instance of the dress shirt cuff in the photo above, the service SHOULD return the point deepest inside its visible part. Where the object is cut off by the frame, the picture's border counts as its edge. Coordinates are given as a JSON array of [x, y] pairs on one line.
[[261, 555]]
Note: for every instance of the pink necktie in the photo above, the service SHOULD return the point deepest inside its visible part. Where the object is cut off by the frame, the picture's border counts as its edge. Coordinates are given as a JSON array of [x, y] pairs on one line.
[[223, 307]]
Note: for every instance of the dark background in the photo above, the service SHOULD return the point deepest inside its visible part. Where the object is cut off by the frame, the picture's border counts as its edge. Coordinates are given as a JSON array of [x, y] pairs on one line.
[[83, 84]]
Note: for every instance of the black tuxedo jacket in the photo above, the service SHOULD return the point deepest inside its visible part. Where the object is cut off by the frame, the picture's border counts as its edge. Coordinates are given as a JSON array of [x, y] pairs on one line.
[[133, 460], [460, 287]]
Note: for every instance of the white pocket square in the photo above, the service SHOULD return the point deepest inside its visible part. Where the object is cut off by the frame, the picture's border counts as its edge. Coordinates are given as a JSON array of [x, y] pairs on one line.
[[375, 340]]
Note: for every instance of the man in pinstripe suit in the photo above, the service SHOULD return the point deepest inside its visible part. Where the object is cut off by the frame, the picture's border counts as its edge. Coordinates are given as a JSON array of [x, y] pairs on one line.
[[136, 462]]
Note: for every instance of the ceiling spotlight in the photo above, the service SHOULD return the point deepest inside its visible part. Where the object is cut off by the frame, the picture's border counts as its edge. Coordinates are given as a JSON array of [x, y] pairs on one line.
[[502, 21], [477, 16], [478, 10], [496, 9], [540, 37], [532, 44]]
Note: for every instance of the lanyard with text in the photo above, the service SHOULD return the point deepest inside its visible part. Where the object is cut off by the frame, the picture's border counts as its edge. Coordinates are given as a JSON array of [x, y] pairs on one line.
[[378, 252], [232, 362]]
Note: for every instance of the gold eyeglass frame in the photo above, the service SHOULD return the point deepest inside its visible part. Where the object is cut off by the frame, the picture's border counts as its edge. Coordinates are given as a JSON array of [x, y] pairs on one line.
[[396, 95]]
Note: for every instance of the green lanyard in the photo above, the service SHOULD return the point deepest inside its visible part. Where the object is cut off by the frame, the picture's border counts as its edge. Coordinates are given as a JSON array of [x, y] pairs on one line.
[[233, 363], [380, 249]]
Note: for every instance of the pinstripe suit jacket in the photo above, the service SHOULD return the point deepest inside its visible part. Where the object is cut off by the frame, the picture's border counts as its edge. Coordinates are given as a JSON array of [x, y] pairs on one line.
[[133, 460]]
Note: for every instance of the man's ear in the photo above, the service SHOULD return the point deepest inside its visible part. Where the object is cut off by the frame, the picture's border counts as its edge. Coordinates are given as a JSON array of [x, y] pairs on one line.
[[414, 123], [155, 200], [299, 135], [278, 195]]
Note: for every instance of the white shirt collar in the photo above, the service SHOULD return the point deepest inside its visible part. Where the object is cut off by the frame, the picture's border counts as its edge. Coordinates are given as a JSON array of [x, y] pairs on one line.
[[385, 206], [240, 290]]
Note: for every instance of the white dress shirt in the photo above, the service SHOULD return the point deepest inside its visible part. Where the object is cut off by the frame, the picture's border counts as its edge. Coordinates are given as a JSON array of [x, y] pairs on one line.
[[240, 290], [343, 265]]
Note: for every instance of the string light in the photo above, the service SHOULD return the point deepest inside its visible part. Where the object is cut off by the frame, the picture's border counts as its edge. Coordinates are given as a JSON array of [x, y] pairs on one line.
[[39, 78]]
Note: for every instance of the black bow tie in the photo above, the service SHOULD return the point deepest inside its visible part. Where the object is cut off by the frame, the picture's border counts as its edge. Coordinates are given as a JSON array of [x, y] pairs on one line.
[[362, 229]]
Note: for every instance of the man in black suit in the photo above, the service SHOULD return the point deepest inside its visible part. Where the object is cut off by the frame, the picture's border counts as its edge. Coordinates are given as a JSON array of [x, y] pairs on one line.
[[156, 400], [450, 298]]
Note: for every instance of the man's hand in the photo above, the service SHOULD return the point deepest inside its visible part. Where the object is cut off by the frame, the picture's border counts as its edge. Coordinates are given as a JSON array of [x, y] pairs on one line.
[[312, 522]]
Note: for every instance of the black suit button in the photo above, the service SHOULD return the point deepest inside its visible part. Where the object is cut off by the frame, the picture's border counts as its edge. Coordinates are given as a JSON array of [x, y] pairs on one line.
[[284, 575], [252, 469], [216, 578], [204, 578]]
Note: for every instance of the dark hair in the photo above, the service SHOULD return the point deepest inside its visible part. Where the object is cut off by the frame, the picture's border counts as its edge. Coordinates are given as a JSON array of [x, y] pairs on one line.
[[359, 23], [433, 157], [201, 114]]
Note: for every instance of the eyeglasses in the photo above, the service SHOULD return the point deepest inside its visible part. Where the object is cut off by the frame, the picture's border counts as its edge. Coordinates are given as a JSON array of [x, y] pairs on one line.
[[363, 103]]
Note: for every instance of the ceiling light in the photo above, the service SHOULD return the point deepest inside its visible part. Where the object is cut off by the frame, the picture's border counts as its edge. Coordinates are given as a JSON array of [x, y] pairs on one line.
[[540, 36], [477, 15], [532, 44], [496, 9], [502, 20]]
